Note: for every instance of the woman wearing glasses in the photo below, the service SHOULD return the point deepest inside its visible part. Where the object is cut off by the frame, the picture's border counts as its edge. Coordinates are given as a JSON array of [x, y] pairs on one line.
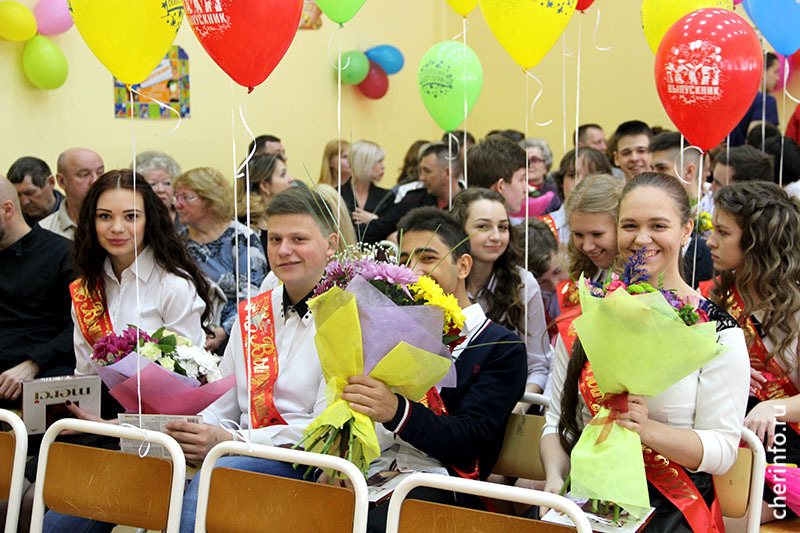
[[204, 202]]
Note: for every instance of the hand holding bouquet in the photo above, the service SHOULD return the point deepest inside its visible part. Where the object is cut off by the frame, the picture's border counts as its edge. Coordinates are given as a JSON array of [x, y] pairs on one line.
[[389, 324], [638, 340]]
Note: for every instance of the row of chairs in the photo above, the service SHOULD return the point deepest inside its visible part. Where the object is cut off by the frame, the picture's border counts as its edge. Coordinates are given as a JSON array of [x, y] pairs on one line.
[[88, 482]]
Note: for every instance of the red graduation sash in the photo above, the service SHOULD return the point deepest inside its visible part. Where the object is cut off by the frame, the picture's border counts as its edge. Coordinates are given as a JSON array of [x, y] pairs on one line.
[[547, 219], [667, 476], [780, 386], [569, 304], [91, 312], [263, 359]]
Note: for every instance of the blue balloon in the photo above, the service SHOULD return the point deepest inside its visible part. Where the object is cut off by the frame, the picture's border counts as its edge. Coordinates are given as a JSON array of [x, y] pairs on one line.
[[779, 22], [388, 57]]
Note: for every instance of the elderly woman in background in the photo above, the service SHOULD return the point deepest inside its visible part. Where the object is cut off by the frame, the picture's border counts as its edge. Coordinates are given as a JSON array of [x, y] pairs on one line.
[[160, 171], [329, 171], [204, 201], [266, 177], [540, 159], [366, 201]]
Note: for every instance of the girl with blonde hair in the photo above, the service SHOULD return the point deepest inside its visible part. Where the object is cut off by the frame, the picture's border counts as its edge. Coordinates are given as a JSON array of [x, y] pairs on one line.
[[331, 159]]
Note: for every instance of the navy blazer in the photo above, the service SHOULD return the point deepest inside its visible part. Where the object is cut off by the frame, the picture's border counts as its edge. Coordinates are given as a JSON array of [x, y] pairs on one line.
[[491, 374]]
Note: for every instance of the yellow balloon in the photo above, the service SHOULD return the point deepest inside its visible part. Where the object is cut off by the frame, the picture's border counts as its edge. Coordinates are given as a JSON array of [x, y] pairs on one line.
[[17, 22], [129, 37], [658, 16], [462, 7], [527, 29]]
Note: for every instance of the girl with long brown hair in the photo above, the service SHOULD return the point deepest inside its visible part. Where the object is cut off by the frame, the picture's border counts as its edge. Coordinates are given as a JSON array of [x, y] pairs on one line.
[[756, 249], [498, 280]]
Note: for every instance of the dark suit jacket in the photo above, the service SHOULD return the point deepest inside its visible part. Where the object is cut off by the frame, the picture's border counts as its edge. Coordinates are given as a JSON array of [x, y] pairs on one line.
[[704, 265], [491, 372]]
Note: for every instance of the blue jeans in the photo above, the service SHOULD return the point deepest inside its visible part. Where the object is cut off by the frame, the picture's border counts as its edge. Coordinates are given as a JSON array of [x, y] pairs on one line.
[[238, 462], [61, 523]]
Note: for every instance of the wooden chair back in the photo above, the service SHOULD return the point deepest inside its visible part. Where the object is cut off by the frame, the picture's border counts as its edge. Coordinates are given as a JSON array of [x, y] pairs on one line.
[[419, 515], [7, 444], [519, 456], [733, 487], [107, 485], [239, 499]]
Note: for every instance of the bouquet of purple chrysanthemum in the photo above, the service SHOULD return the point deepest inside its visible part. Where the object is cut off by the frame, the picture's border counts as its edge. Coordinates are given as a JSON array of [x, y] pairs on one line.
[[378, 318]]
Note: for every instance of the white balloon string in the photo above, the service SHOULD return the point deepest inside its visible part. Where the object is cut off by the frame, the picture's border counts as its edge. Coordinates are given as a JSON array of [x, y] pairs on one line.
[[764, 101], [679, 172], [536, 99], [339, 130], [594, 38], [450, 173], [145, 443], [236, 431], [136, 264], [697, 224], [249, 316], [527, 212], [564, 56], [236, 233], [330, 42], [578, 90], [464, 27], [163, 106]]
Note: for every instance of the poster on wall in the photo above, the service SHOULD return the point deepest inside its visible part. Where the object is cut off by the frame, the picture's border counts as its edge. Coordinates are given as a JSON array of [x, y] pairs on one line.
[[311, 19], [168, 83]]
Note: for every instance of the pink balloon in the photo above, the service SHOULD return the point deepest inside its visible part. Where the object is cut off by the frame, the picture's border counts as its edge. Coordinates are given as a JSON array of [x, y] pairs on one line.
[[52, 16]]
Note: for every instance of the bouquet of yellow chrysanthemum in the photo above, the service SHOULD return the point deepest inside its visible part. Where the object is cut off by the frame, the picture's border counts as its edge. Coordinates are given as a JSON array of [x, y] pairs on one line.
[[382, 320]]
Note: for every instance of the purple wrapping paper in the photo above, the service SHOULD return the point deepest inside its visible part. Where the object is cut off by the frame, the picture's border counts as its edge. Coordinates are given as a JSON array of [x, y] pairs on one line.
[[384, 325]]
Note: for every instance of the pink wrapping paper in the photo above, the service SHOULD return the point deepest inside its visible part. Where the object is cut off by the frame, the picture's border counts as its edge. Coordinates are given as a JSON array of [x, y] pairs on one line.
[[163, 392], [789, 477]]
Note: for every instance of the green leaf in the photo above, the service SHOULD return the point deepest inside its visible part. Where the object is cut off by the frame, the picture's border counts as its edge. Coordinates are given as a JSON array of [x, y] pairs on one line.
[[170, 340], [179, 369], [158, 333]]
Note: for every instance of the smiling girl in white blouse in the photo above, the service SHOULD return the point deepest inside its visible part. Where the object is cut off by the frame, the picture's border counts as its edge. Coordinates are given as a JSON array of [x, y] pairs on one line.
[[163, 288]]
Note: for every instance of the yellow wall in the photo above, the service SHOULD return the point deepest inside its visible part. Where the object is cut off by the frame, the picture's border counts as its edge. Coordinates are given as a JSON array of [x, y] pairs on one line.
[[298, 101]]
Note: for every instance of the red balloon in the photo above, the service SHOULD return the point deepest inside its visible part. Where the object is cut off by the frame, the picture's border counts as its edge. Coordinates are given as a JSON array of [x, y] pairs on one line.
[[246, 38], [376, 83], [583, 5], [708, 70]]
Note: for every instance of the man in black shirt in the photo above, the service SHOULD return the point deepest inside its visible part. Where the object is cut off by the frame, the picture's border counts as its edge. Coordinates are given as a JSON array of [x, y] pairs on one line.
[[35, 273]]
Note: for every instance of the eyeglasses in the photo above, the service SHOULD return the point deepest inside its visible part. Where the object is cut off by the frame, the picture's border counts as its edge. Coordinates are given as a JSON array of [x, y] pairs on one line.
[[534, 160], [183, 199]]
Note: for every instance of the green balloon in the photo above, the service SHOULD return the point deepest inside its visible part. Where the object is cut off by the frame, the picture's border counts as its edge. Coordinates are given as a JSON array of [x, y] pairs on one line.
[[340, 10], [447, 71], [355, 67], [44, 63]]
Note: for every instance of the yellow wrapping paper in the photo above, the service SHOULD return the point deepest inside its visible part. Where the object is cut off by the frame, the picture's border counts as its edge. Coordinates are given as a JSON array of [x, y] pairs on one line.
[[406, 369], [635, 344]]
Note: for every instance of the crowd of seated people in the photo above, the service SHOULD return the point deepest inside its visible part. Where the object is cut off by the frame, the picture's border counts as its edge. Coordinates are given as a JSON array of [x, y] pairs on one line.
[[489, 221]]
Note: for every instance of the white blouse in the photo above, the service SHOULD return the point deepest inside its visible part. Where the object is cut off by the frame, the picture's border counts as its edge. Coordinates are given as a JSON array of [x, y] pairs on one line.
[[164, 300], [711, 401], [299, 390], [537, 343]]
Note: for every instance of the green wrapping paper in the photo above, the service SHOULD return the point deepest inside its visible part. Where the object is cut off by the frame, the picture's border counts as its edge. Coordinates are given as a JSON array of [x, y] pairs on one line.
[[639, 345]]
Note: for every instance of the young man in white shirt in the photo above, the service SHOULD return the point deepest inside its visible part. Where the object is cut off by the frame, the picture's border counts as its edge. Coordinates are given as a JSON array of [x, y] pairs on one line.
[[287, 382]]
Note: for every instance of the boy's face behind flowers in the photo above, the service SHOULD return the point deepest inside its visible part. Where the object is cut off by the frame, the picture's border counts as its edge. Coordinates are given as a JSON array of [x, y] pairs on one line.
[[427, 255]]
